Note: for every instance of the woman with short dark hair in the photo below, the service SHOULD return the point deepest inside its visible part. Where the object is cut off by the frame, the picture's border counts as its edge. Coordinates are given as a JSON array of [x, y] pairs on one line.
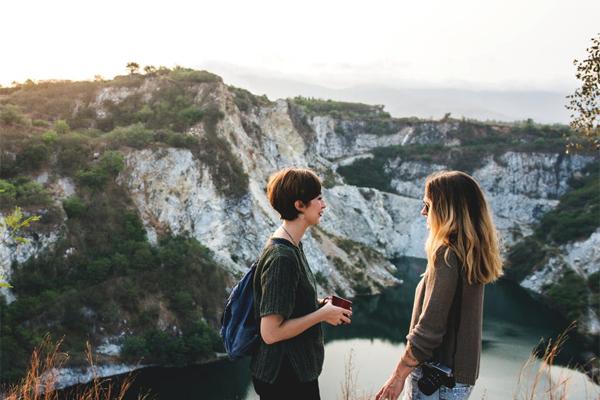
[[289, 358], [462, 256]]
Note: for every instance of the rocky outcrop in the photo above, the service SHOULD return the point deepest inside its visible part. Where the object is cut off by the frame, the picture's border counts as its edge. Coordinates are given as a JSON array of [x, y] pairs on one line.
[[581, 257]]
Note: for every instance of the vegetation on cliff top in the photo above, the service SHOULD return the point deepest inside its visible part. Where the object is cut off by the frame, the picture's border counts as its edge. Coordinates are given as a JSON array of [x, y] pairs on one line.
[[76, 119]]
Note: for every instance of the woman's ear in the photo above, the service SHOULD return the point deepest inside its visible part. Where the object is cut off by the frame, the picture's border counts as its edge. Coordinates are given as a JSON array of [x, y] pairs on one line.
[[300, 206]]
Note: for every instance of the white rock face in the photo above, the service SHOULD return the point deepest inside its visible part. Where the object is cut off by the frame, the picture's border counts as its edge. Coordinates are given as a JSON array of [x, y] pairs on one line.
[[332, 144], [408, 177], [384, 221], [522, 187], [534, 175], [584, 256], [65, 377], [173, 191]]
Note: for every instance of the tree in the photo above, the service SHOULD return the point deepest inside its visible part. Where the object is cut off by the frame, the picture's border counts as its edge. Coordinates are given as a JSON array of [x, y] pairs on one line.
[[585, 101], [133, 67], [150, 69]]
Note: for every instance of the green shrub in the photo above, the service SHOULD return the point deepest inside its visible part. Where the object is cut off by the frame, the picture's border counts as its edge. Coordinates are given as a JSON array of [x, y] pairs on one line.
[[33, 157], [525, 257], [10, 115], [380, 126], [144, 114], [74, 152], [180, 140], [50, 137], [135, 348], [31, 193], [244, 100], [594, 282], [577, 215], [321, 279], [94, 178], [190, 115], [8, 194], [367, 172], [74, 207], [112, 162], [61, 127], [197, 342], [40, 123], [595, 302], [191, 75], [133, 136], [109, 165], [569, 295], [340, 108]]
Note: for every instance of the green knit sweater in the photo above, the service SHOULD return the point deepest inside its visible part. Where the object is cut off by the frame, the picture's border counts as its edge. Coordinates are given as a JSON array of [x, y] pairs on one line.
[[285, 285]]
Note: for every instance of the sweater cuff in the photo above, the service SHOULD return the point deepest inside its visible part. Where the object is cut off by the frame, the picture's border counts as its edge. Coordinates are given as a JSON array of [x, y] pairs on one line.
[[419, 354]]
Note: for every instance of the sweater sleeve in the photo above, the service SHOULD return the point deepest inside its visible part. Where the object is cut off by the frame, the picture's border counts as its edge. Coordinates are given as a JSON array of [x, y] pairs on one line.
[[279, 280], [429, 330]]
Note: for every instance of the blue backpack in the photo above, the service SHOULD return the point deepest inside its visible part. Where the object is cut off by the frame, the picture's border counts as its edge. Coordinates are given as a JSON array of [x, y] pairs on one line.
[[239, 327]]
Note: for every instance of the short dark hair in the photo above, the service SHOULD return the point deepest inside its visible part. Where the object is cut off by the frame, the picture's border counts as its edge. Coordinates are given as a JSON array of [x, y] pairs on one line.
[[290, 184]]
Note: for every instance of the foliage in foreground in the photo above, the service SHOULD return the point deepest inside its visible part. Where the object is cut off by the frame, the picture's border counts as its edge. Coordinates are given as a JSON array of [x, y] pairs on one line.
[[39, 382], [585, 101]]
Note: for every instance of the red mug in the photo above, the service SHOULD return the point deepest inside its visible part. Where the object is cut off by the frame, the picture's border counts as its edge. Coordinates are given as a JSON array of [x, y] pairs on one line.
[[340, 302]]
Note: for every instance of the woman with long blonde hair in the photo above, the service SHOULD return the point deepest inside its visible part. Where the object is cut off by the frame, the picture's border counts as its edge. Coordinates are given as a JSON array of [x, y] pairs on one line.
[[441, 360]]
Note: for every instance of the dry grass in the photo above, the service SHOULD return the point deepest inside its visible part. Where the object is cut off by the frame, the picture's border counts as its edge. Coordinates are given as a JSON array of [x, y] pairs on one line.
[[349, 386], [40, 381], [540, 382]]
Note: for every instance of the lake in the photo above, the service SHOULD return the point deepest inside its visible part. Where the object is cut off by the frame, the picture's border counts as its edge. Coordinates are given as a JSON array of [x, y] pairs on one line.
[[513, 325]]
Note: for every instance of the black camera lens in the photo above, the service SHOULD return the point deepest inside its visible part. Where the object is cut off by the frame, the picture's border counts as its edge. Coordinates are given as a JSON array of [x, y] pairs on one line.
[[429, 384]]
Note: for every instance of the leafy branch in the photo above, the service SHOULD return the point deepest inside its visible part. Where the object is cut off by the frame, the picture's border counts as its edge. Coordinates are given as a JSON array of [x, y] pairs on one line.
[[585, 101], [10, 229]]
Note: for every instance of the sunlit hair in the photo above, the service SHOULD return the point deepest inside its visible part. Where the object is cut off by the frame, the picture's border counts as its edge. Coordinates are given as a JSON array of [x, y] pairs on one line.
[[461, 220], [290, 184]]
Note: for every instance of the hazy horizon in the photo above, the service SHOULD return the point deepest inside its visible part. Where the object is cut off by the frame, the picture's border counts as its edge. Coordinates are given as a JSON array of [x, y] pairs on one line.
[[470, 47], [410, 100], [466, 44]]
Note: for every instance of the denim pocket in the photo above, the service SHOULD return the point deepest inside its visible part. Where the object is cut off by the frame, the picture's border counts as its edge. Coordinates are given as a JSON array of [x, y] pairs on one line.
[[459, 392]]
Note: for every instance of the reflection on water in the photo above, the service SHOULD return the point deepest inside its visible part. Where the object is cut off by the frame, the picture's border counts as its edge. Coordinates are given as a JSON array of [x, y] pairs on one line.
[[513, 325]]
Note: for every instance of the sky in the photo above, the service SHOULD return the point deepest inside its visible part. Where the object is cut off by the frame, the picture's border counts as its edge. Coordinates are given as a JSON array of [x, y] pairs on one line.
[[471, 44]]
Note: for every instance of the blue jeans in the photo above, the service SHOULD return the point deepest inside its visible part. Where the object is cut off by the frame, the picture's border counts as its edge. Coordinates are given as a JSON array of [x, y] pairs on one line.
[[411, 391]]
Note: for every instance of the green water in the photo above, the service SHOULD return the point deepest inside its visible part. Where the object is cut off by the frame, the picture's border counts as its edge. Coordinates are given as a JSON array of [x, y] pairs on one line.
[[513, 325]]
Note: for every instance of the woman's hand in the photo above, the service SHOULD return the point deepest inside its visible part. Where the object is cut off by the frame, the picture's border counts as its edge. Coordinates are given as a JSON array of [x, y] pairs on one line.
[[324, 301], [392, 388], [334, 315]]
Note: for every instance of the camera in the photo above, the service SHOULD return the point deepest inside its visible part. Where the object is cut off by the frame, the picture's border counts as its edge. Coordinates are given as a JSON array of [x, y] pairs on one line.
[[435, 375]]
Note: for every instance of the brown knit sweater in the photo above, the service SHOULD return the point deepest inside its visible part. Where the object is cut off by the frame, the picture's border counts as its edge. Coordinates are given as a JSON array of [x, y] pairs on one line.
[[435, 317]]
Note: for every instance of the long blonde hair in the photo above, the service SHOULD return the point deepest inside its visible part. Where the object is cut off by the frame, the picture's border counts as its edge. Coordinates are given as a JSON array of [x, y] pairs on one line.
[[460, 220]]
